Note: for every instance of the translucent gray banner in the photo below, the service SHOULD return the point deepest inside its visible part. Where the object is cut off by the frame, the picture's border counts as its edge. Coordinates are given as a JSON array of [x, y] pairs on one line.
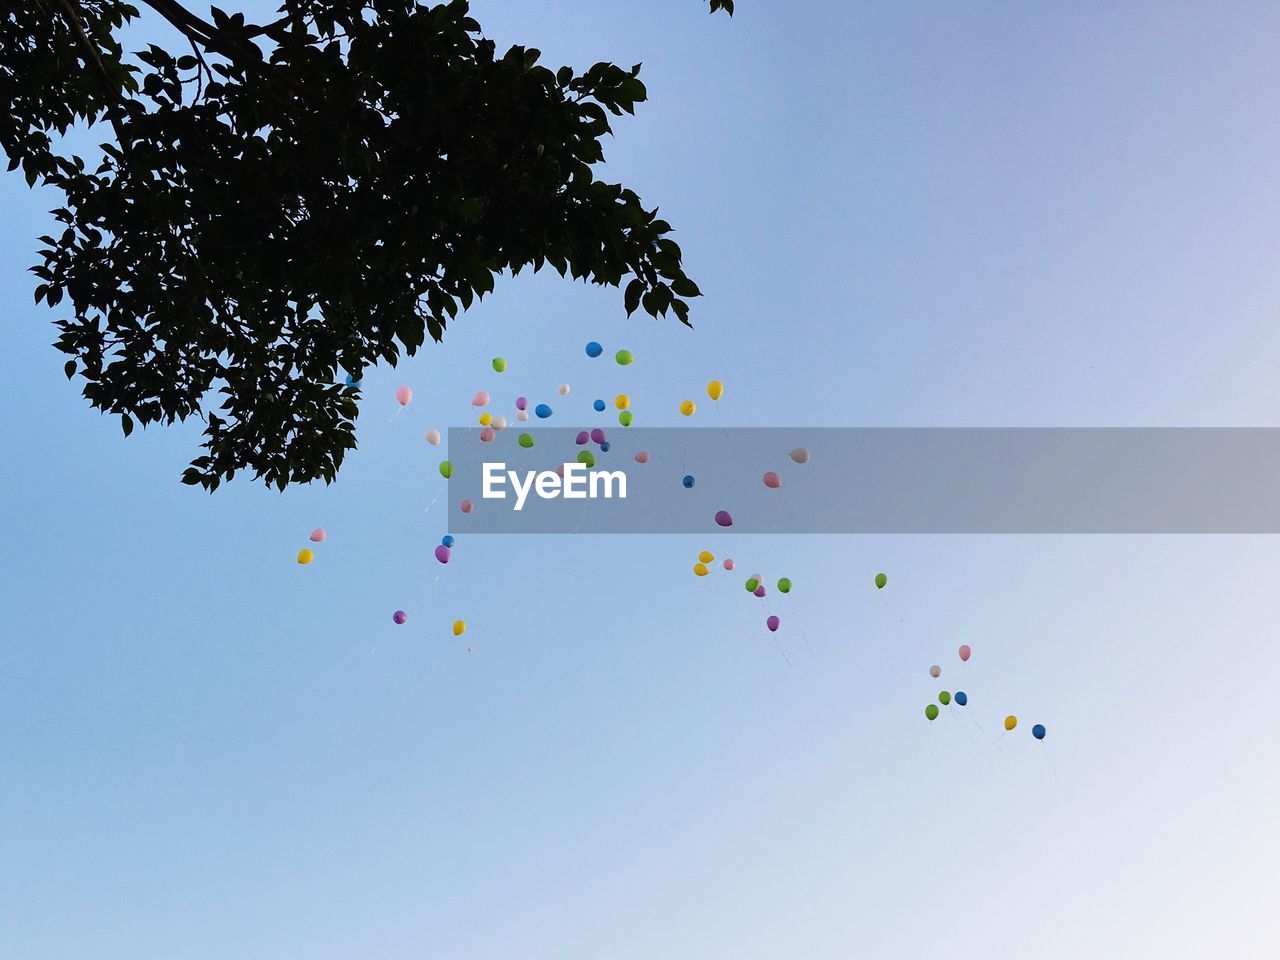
[[867, 480]]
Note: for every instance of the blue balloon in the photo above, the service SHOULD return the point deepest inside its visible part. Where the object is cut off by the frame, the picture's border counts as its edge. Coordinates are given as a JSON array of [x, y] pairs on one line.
[[1038, 731], [599, 405], [594, 349], [961, 697], [604, 447], [542, 410], [447, 540], [353, 382], [688, 480]]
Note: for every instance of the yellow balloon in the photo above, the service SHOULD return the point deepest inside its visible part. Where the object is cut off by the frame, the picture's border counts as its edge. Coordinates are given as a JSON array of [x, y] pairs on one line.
[[486, 419], [687, 407], [458, 627], [305, 557], [1010, 722], [700, 569], [706, 556], [715, 389], [622, 401]]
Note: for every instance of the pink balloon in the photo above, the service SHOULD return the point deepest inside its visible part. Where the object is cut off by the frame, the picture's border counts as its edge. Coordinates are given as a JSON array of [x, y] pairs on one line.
[[487, 434], [467, 506], [965, 652], [728, 563], [318, 535], [773, 623], [642, 457], [723, 518], [481, 399], [560, 470], [443, 553], [433, 437], [404, 395], [772, 480], [935, 671]]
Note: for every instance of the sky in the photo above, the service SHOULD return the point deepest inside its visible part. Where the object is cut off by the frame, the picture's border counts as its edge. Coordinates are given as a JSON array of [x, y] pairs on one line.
[[901, 214]]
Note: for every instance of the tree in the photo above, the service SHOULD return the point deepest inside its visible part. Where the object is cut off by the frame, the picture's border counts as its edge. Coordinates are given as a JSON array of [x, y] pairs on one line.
[[287, 200]]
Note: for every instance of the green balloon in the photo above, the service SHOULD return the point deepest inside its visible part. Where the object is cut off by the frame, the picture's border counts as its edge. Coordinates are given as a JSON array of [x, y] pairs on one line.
[[881, 580], [752, 584], [499, 365], [625, 418], [525, 440], [446, 469], [587, 457], [784, 585], [931, 711], [623, 357], [944, 698]]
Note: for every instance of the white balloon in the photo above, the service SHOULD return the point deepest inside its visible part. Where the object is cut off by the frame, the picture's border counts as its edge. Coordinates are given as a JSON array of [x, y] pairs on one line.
[[433, 437], [564, 389], [800, 455], [522, 415], [499, 423]]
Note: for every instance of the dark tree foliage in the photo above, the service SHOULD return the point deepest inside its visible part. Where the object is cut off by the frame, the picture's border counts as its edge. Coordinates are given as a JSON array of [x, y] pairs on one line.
[[284, 201]]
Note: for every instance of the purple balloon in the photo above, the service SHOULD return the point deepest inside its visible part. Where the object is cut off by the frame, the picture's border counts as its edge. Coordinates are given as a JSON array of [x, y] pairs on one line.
[[582, 437], [597, 435], [723, 518], [772, 623], [521, 403], [399, 616], [760, 591], [443, 553]]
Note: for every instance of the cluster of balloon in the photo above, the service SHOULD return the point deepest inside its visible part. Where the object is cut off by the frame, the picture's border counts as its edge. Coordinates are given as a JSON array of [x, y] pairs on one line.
[[317, 535]]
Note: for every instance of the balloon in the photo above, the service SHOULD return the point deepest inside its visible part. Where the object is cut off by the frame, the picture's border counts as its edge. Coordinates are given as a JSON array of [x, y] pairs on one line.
[[715, 389], [481, 399], [399, 616], [687, 407], [706, 556], [935, 671], [931, 711], [542, 410], [522, 415], [521, 403], [560, 470], [944, 698], [305, 557], [458, 628], [582, 437], [623, 357], [773, 623], [499, 423], [622, 401], [486, 419], [784, 585], [728, 563], [1010, 722], [318, 535], [723, 519], [700, 569], [525, 440], [881, 580], [625, 418], [965, 652], [799, 455], [688, 481], [1038, 731], [594, 349], [433, 437], [642, 456], [403, 396], [752, 583], [961, 698], [772, 480], [466, 506], [499, 365], [446, 469], [563, 389], [447, 540], [604, 447], [443, 553], [353, 382], [599, 406], [587, 457], [597, 435], [760, 591], [487, 434]]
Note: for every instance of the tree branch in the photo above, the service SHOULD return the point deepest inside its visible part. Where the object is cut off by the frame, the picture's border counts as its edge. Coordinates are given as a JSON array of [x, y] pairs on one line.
[[93, 61]]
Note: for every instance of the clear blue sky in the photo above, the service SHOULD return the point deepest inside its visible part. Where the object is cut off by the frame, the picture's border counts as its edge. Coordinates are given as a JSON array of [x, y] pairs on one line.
[[901, 214]]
